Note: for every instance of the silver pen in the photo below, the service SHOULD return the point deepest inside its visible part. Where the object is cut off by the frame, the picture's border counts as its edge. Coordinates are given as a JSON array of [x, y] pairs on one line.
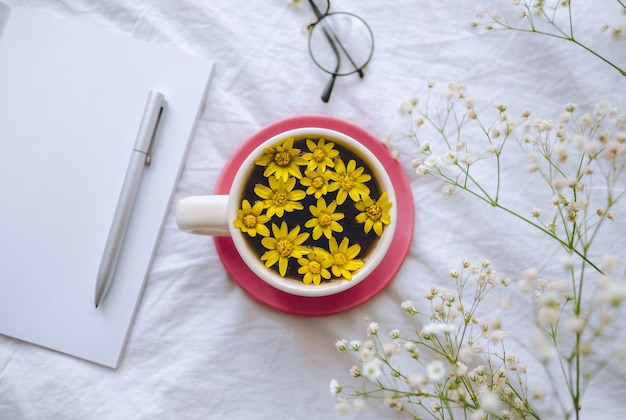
[[141, 156]]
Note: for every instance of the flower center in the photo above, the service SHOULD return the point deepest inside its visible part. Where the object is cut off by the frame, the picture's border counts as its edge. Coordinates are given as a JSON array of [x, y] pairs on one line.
[[284, 247], [280, 199], [346, 182], [318, 182], [339, 259], [374, 212], [315, 267], [319, 155], [282, 158], [324, 219], [249, 221]]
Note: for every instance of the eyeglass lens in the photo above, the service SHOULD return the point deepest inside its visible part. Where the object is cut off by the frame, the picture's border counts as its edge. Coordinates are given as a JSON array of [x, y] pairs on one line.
[[341, 43]]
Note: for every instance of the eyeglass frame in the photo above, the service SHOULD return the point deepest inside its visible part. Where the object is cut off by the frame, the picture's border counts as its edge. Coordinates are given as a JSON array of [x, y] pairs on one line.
[[332, 40]]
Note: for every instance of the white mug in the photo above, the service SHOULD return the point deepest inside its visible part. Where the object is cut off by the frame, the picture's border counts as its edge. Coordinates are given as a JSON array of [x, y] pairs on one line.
[[313, 198]]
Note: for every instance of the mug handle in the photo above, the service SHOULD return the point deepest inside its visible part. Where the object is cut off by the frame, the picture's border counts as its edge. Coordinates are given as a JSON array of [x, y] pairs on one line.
[[204, 215]]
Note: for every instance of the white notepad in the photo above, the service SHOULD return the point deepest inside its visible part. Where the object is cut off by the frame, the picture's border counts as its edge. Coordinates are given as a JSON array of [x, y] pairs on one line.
[[71, 101]]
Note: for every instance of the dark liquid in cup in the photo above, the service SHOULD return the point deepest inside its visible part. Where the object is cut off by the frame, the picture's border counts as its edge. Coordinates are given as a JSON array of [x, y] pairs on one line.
[[351, 228]]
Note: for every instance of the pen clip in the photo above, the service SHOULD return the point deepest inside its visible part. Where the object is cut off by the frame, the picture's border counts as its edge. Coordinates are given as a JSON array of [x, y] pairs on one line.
[[150, 123], [155, 133]]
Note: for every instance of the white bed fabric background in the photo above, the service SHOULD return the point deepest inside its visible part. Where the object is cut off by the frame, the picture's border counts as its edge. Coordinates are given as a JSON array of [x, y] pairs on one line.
[[200, 346]]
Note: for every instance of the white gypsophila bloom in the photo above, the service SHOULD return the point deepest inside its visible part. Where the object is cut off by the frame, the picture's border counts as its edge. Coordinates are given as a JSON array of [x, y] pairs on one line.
[[391, 348], [544, 350], [416, 382], [466, 159], [358, 404], [369, 344], [366, 355], [496, 336], [447, 190], [432, 162], [610, 262], [570, 107], [548, 315], [450, 158], [421, 170], [478, 415], [335, 388], [436, 370], [416, 162], [342, 406], [435, 328], [341, 345], [355, 371], [425, 147], [575, 324], [613, 293], [409, 307], [460, 369], [604, 108], [372, 329], [395, 333], [355, 345], [371, 369], [578, 141], [490, 402]]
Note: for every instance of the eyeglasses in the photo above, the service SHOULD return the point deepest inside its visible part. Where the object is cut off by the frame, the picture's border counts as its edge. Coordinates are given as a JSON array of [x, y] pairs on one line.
[[340, 43]]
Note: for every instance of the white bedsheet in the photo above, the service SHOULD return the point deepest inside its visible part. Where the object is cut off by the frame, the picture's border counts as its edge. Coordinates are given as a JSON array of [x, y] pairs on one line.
[[200, 346]]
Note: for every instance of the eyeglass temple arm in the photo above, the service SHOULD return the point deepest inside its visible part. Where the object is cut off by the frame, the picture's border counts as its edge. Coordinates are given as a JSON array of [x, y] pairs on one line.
[[319, 15], [331, 83]]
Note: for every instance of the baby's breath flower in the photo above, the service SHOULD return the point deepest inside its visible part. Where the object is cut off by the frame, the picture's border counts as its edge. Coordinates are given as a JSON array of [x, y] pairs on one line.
[[436, 370], [371, 369], [450, 158], [372, 328], [355, 371], [432, 162], [355, 345], [409, 307], [341, 345], [335, 388]]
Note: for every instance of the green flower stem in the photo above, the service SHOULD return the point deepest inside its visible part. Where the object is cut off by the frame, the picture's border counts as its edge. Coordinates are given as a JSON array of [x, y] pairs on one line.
[[560, 35]]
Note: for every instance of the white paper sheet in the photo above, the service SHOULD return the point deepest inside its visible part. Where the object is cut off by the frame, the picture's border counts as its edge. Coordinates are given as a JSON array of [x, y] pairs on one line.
[[73, 97]]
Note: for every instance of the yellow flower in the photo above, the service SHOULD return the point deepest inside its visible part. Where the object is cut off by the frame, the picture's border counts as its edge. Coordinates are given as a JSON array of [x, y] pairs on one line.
[[374, 214], [343, 258], [324, 219], [348, 180], [250, 220], [280, 196], [281, 160], [315, 266], [284, 245], [316, 181], [321, 154]]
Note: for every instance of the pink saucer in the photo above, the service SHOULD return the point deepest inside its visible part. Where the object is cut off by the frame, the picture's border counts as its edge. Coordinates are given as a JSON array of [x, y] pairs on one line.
[[367, 288]]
